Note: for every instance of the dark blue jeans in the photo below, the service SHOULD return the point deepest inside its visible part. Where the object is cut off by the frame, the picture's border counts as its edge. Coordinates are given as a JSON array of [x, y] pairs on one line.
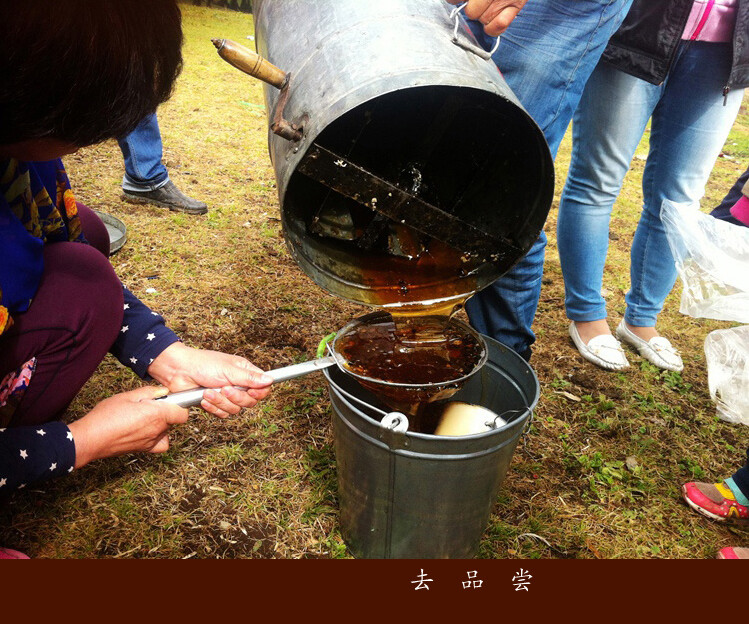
[[546, 57], [741, 477], [723, 210]]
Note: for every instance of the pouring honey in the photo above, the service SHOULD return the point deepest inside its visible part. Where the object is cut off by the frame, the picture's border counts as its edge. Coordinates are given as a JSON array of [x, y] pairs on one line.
[[414, 351], [406, 195]]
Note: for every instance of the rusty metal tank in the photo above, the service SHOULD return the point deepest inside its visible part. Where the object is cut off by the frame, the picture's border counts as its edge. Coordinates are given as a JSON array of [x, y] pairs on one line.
[[408, 172]]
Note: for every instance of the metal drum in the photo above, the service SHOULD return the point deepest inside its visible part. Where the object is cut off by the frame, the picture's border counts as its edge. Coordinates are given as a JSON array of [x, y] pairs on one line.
[[407, 170], [407, 495]]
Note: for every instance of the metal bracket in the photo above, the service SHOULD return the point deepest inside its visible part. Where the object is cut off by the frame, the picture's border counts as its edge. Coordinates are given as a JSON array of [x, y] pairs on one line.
[[393, 429], [281, 126], [355, 182]]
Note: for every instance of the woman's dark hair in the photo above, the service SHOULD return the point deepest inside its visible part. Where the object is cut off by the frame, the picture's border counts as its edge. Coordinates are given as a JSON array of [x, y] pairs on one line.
[[82, 71]]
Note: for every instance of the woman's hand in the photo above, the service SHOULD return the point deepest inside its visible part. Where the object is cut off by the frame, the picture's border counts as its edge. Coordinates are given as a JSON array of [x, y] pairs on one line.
[[179, 367], [495, 15], [124, 423]]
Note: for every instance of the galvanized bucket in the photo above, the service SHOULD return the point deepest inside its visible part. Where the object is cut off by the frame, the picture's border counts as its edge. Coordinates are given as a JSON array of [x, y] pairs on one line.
[[410, 495], [391, 116]]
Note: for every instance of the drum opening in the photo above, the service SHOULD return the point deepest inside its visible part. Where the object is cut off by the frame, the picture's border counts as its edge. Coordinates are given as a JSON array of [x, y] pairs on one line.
[[470, 153]]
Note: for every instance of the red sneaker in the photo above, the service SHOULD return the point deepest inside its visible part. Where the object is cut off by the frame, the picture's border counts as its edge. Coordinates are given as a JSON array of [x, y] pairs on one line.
[[733, 553], [7, 553], [727, 507]]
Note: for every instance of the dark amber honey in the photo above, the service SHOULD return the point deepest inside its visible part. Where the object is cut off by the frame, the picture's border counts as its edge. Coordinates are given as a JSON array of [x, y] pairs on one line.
[[423, 350]]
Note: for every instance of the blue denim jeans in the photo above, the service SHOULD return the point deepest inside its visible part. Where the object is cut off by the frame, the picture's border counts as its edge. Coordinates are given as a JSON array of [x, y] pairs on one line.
[[690, 123], [546, 57], [142, 151]]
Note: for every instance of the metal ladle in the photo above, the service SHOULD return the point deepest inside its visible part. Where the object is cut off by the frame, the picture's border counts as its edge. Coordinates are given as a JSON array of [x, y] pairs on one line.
[[192, 398], [400, 396]]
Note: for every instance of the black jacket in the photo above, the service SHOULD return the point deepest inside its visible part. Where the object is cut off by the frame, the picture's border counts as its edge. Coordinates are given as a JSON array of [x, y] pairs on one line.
[[646, 42]]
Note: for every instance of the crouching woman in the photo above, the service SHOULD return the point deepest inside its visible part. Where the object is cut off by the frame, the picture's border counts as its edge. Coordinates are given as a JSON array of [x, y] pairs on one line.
[[73, 74]]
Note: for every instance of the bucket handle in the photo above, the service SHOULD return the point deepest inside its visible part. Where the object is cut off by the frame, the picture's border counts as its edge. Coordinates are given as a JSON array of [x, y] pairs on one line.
[[455, 14], [528, 425]]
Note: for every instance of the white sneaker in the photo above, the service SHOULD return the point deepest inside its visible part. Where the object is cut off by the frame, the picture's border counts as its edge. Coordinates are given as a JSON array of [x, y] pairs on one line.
[[604, 350], [658, 350]]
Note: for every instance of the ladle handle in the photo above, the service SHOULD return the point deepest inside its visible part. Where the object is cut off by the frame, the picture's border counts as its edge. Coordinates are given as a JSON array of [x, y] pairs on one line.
[[249, 62], [192, 398], [297, 370]]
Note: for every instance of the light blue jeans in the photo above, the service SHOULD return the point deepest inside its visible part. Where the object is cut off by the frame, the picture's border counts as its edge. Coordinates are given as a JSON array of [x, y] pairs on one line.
[[546, 57], [142, 151], [690, 123]]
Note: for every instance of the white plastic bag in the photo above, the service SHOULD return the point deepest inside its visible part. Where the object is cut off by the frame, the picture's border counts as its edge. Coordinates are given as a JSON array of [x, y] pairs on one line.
[[712, 259], [727, 353]]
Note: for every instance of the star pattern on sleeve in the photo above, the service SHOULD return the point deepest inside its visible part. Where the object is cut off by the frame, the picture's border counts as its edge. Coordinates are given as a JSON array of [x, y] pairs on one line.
[[31, 454], [143, 336]]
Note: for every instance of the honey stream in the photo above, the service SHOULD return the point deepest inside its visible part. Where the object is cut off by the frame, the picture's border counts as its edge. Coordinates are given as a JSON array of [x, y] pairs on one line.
[[414, 351]]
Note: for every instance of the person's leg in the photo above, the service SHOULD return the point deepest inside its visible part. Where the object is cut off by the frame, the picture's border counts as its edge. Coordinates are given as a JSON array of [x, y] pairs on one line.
[[741, 479], [142, 152], [721, 501], [94, 229], [146, 179], [546, 56], [73, 321], [505, 309], [689, 127], [723, 210], [607, 127], [548, 53]]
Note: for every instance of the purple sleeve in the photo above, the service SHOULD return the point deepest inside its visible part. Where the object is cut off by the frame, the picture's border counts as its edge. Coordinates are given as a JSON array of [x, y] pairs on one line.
[[32, 454], [142, 337]]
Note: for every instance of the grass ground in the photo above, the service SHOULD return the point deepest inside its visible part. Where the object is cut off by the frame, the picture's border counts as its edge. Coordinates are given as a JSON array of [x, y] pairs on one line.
[[598, 476]]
